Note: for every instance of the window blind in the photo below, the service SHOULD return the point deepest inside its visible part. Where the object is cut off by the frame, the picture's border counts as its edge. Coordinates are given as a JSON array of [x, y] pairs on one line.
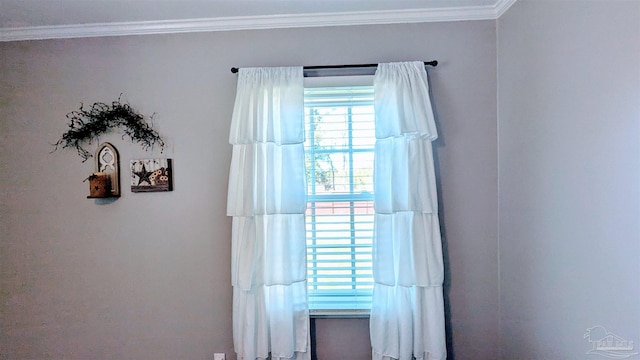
[[339, 148]]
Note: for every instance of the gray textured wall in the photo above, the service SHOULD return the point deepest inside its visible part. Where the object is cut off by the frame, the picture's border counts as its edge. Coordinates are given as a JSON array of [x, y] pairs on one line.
[[569, 145], [147, 276]]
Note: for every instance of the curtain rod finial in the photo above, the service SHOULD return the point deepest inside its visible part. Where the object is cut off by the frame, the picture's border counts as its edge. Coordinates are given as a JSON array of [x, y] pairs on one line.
[[234, 70]]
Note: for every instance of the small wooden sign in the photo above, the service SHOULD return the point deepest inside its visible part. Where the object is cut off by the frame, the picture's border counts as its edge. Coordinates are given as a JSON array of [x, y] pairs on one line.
[[151, 175]]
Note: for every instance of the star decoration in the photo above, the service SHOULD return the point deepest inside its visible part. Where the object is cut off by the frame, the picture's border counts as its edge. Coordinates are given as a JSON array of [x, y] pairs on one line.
[[143, 175]]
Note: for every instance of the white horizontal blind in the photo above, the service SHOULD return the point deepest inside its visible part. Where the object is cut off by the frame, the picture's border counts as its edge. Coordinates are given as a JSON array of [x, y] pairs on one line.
[[339, 163]]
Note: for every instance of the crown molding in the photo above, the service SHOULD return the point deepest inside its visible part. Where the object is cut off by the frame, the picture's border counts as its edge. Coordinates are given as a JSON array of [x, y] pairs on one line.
[[502, 6], [256, 22]]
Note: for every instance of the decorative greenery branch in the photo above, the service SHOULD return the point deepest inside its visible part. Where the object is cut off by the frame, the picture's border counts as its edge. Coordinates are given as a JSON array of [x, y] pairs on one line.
[[87, 125]]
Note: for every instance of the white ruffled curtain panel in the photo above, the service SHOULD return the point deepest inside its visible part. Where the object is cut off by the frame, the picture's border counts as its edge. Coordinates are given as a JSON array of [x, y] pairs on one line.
[[267, 200], [407, 315]]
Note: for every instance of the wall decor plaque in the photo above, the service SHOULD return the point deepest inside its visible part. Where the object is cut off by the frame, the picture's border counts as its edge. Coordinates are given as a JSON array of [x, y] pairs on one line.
[[151, 175]]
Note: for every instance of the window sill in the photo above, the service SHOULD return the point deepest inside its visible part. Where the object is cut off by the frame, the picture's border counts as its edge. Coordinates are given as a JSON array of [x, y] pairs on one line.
[[339, 314]]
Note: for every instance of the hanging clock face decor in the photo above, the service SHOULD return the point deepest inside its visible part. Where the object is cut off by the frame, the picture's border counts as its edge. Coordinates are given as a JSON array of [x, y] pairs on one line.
[[151, 175]]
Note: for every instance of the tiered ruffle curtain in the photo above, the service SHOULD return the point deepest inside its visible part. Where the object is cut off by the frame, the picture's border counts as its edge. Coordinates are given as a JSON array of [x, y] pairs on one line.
[[407, 315], [267, 199]]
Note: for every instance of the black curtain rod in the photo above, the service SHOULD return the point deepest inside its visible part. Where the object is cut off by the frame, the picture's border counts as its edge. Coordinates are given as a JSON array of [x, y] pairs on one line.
[[336, 67]]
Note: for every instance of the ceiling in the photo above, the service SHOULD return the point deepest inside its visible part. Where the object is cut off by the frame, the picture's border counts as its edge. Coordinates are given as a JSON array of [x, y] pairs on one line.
[[46, 19]]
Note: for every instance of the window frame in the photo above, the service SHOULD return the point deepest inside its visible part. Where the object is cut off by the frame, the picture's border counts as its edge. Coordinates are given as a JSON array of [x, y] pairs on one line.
[[338, 81]]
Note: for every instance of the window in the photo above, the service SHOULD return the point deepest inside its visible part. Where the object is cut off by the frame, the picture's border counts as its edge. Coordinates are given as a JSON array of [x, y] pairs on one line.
[[340, 139]]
